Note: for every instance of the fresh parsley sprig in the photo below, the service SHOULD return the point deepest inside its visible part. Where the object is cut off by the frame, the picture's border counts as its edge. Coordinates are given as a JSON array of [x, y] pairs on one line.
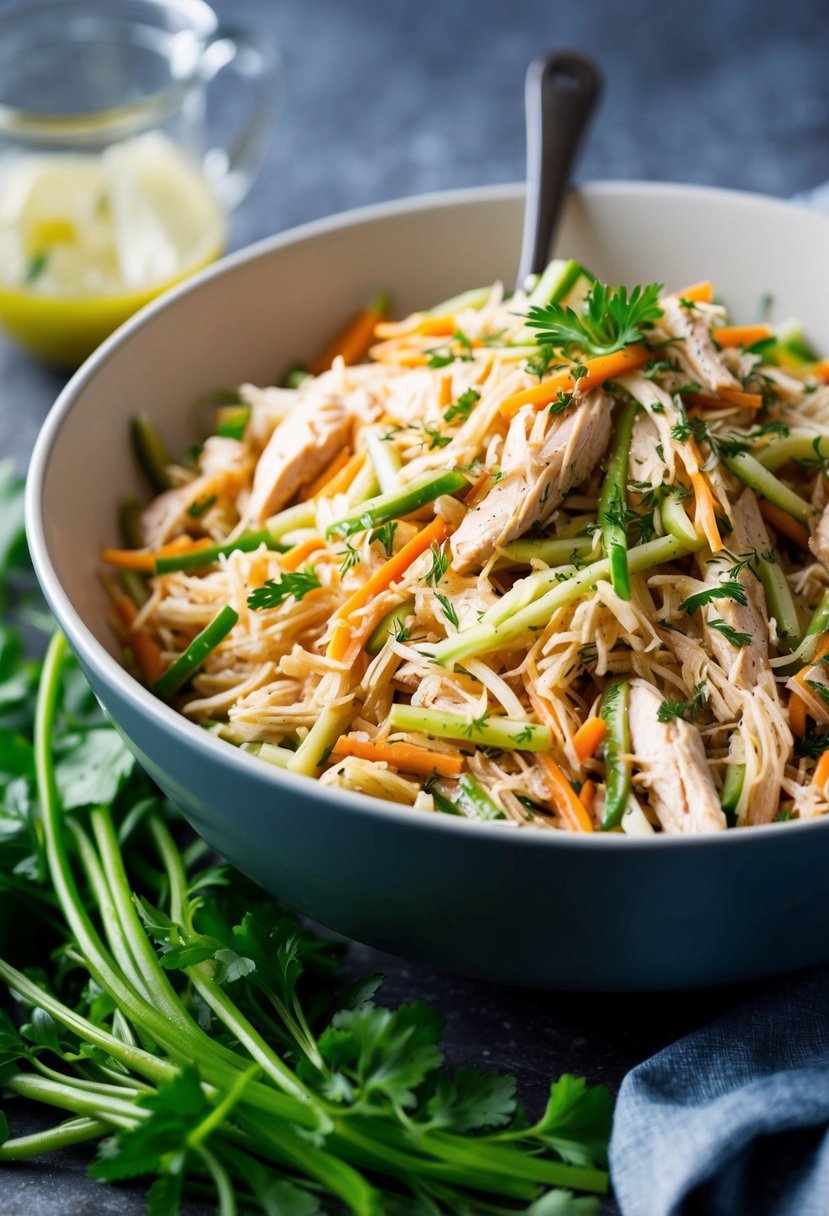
[[611, 319], [726, 590], [296, 583]]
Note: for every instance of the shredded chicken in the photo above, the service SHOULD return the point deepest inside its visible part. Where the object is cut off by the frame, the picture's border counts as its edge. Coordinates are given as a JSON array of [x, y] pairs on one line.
[[543, 459], [671, 759]]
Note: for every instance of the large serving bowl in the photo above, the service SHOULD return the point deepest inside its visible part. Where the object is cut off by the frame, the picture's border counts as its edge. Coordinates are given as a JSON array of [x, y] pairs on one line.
[[522, 906]]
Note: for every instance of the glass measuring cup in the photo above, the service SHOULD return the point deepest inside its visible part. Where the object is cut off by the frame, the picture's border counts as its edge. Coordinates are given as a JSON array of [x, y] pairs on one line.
[[111, 186]]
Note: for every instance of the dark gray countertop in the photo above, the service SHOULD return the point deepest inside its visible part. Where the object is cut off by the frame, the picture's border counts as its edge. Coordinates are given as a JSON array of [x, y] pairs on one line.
[[387, 99]]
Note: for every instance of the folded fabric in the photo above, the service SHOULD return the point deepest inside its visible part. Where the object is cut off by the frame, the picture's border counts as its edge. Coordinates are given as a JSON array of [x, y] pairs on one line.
[[732, 1120]]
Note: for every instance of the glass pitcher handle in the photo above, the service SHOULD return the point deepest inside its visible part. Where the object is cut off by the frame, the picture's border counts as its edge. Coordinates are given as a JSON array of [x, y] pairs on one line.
[[231, 168]]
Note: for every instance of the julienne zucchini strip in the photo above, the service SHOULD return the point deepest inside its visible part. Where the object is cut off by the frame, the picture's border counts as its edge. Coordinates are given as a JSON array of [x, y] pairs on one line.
[[541, 603], [488, 730]]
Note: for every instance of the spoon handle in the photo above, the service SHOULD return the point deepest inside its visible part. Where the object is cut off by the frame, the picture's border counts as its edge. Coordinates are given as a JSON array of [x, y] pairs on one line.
[[561, 90]]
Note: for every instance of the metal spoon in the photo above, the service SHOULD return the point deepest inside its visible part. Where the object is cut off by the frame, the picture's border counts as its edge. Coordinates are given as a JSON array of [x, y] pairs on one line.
[[561, 91]]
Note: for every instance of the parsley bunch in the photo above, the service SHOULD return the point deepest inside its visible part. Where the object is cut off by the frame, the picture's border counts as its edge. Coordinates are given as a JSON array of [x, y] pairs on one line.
[[195, 1030], [611, 319]]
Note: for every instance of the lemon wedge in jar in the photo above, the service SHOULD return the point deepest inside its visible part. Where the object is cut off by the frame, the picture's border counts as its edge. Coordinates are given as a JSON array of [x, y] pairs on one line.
[[86, 240]]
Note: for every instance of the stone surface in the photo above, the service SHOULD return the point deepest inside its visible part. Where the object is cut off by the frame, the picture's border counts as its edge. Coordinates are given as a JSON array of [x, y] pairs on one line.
[[382, 100]]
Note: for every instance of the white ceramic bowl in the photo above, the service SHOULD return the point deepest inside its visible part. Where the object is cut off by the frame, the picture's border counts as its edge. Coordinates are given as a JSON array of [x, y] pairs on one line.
[[544, 909]]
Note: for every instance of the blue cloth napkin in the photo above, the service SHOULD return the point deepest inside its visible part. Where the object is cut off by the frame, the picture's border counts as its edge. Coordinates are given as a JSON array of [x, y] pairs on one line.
[[732, 1120]]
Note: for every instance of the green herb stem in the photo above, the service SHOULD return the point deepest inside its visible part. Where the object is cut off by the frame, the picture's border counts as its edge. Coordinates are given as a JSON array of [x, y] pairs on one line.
[[65, 1135]]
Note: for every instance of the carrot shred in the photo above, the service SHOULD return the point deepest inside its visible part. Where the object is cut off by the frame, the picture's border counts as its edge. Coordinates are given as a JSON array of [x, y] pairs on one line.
[[146, 651], [294, 558], [598, 370], [705, 514], [408, 756], [588, 737], [821, 370], [564, 799], [587, 795], [342, 479], [700, 293], [821, 773], [728, 396], [445, 394], [352, 343], [783, 522], [330, 471], [394, 568], [417, 323], [797, 714], [741, 335], [143, 560]]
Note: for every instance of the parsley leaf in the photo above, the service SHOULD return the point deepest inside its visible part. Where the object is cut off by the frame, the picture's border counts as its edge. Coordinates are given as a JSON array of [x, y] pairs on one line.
[[296, 583], [728, 590], [730, 634], [462, 408], [611, 319], [689, 710]]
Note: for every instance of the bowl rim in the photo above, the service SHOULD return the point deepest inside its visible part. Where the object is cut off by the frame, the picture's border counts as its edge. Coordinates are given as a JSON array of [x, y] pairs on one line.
[[167, 719]]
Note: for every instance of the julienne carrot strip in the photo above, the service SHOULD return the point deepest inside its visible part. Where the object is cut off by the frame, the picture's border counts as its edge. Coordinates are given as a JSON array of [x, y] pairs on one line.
[[147, 653], [588, 737], [605, 367], [408, 756], [445, 393], [706, 515], [587, 795], [433, 534], [328, 473], [797, 715], [700, 293], [564, 798], [741, 335], [821, 773], [353, 342], [143, 560], [417, 323], [343, 479], [783, 522], [728, 396], [821, 370], [294, 558]]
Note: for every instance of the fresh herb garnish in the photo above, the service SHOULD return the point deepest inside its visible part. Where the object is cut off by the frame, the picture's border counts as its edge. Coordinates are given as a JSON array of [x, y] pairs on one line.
[[728, 590], [434, 436], [350, 557], [201, 506], [448, 608], [440, 564], [35, 266], [385, 535], [462, 408], [734, 636], [611, 319], [296, 583], [689, 710]]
